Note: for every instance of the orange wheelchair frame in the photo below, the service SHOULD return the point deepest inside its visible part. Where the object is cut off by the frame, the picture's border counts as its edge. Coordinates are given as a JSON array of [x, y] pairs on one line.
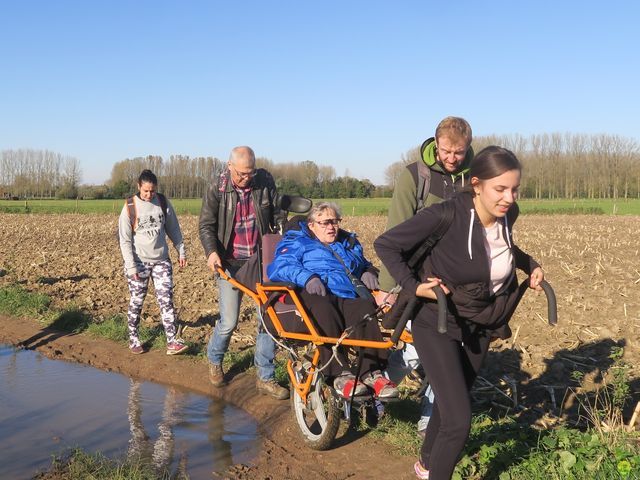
[[315, 404], [261, 296]]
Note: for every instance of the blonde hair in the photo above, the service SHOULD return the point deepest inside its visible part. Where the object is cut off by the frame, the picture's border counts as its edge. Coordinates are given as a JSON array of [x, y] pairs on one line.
[[454, 128]]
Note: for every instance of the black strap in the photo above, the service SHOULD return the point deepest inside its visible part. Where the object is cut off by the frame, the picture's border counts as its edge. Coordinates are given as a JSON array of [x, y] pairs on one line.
[[423, 250], [354, 280], [163, 203]]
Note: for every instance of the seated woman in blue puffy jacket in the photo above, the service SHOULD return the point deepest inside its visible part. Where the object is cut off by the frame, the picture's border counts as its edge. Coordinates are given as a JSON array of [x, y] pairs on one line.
[[316, 257]]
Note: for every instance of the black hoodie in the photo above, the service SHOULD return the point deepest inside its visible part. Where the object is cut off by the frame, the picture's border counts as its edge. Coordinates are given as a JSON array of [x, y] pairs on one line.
[[460, 259]]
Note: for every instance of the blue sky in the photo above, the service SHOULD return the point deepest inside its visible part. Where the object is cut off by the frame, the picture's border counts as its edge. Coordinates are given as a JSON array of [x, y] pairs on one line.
[[348, 84]]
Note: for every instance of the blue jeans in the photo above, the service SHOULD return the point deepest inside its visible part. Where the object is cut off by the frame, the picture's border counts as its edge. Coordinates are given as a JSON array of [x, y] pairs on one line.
[[229, 301], [399, 365]]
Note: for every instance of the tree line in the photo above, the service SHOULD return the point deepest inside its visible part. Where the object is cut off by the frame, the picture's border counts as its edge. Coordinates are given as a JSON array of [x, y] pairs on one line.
[[555, 165], [38, 173], [562, 165]]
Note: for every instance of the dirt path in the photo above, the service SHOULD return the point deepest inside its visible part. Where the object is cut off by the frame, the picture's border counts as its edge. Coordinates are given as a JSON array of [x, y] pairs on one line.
[[282, 455]]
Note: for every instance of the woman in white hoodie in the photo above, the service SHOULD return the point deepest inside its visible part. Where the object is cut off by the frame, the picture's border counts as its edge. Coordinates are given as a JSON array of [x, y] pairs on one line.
[[147, 218]]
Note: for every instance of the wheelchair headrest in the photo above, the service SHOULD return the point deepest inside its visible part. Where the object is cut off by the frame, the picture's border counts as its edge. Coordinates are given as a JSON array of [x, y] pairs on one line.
[[295, 203]]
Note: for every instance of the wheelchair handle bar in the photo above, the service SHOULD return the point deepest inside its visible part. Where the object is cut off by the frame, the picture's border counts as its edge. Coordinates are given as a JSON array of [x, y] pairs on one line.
[[552, 309], [410, 309], [552, 304], [442, 309]]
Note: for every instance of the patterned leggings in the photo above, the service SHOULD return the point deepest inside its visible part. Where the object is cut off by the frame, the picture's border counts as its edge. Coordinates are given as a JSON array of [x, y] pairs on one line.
[[162, 275]]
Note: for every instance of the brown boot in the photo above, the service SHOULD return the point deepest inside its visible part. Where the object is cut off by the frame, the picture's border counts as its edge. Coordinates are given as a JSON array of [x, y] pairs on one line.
[[271, 387], [216, 375]]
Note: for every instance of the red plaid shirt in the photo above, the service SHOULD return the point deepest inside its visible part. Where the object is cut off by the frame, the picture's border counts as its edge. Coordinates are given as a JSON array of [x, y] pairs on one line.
[[245, 236]]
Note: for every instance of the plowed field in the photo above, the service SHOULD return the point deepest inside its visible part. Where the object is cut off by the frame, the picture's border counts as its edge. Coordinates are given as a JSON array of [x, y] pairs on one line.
[[591, 261]]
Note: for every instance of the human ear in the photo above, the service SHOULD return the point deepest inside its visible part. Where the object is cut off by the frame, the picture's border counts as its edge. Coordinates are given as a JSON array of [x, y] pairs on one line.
[[475, 184]]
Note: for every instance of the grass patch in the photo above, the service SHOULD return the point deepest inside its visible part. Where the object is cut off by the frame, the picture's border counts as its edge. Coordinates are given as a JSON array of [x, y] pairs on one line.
[[79, 465], [115, 328], [398, 426], [506, 449], [18, 302], [71, 320], [503, 449], [238, 361], [350, 206]]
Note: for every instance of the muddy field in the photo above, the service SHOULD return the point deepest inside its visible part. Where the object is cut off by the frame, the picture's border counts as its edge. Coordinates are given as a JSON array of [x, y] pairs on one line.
[[591, 261]]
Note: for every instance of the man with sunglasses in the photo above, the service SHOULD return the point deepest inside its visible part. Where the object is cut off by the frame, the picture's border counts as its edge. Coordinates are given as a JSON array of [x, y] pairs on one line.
[[239, 206], [440, 172]]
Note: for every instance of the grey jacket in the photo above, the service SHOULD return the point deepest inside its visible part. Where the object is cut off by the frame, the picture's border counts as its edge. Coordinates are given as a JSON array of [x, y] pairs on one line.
[[219, 209]]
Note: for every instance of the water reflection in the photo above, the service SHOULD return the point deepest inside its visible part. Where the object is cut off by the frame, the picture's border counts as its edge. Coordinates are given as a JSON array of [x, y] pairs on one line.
[[47, 407], [141, 446]]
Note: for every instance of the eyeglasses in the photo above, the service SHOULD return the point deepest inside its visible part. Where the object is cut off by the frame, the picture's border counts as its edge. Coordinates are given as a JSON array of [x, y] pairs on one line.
[[457, 153], [250, 174], [331, 221]]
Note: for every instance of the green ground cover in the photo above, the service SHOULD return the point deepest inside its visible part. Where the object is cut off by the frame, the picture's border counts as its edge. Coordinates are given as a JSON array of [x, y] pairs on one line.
[[350, 206]]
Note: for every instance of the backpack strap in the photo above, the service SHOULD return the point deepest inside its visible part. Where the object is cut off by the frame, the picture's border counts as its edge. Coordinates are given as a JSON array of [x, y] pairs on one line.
[[163, 203], [132, 212], [421, 174], [445, 222]]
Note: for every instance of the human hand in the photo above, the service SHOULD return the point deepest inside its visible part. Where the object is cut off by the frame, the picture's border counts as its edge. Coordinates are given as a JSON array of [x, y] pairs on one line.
[[370, 280], [214, 261], [315, 286], [536, 278], [182, 262], [381, 297], [425, 289]]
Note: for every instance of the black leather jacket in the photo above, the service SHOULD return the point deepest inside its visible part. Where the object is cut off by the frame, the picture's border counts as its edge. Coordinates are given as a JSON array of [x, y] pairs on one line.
[[219, 210]]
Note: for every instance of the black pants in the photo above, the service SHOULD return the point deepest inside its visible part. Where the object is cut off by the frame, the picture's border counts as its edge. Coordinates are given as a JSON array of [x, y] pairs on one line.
[[451, 367], [332, 315]]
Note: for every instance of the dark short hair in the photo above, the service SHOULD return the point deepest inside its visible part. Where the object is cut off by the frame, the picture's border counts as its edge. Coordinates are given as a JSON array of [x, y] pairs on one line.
[[493, 161], [147, 176]]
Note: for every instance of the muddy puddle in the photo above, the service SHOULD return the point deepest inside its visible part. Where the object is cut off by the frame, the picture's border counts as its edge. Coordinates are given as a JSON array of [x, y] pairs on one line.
[[48, 407]]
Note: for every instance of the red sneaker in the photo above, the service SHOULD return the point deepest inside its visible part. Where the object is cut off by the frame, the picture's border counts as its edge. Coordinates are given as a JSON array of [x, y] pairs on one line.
[[176, 348]]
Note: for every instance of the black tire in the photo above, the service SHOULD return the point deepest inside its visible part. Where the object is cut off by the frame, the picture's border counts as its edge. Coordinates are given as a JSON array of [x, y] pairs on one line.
[[319, 419]]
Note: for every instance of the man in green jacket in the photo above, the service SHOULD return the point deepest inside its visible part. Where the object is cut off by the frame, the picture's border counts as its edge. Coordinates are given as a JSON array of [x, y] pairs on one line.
[[440, 172]]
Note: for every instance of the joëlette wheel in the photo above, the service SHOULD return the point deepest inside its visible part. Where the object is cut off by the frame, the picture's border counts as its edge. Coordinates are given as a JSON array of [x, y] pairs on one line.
[[319, 419]]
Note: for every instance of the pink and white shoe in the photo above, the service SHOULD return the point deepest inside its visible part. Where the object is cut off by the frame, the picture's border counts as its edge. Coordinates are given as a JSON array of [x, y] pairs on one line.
[[176, 347], [421, 472]]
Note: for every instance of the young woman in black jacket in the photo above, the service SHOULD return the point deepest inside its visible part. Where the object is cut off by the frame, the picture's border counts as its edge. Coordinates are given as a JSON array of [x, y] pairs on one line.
[[474, 263]]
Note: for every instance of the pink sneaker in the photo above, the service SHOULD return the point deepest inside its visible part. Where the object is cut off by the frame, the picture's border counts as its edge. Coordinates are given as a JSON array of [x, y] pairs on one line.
[[176, 347], [421, 472]]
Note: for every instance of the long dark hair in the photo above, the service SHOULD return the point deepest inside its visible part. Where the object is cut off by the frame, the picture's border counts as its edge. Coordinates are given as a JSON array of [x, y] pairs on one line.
[[493, 161], [147, 176]]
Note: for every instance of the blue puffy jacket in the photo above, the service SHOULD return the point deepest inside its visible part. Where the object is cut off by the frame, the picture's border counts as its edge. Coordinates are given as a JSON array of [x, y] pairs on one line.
[[300, 255]]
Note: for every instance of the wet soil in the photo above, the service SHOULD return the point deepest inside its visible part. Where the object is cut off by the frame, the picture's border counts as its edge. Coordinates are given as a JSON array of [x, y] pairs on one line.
[[591, 261]]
